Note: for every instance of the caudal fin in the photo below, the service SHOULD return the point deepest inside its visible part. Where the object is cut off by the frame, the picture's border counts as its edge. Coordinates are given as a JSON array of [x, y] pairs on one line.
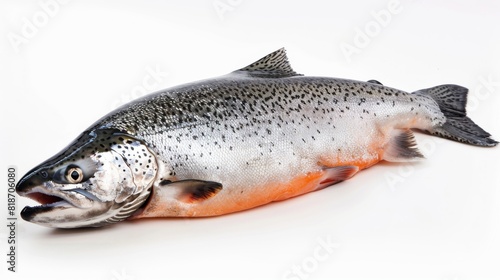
[[452, 100]]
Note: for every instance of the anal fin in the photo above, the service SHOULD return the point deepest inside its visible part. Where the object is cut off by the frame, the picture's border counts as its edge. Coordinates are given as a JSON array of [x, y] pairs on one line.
[[336, 174], [402, 147]]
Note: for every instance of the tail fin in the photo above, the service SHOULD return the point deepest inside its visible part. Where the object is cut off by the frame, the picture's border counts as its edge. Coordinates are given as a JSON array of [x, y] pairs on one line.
[[452, 100]]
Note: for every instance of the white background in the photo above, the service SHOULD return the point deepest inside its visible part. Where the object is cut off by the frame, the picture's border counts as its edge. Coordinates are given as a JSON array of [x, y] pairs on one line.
[[437, 219]]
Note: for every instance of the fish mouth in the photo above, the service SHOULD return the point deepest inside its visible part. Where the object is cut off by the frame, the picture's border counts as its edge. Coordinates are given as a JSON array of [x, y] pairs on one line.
[[65, 209], [50, 202], [47, 204], [44, 199]]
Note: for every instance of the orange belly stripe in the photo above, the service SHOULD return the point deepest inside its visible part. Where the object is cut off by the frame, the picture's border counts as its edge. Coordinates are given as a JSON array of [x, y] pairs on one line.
[[238, 198]]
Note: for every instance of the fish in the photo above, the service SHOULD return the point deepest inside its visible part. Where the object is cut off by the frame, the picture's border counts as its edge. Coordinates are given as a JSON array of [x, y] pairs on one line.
[[257, 135]]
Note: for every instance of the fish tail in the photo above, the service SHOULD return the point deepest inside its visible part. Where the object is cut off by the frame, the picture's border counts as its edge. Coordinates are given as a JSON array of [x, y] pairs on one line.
[[452, 100]]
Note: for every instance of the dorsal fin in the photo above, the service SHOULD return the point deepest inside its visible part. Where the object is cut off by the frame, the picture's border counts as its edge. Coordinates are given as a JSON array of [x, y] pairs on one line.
[[273, 65]]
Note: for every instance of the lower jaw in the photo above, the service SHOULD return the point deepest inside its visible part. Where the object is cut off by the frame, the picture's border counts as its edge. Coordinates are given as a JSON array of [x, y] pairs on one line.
[[29, 212]]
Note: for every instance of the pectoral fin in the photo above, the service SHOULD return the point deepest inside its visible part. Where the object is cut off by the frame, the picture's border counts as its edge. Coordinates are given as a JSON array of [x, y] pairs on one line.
[[191, 191]]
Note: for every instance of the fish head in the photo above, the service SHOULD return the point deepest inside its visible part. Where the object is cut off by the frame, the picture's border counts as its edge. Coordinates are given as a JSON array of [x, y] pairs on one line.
[[101, 178]]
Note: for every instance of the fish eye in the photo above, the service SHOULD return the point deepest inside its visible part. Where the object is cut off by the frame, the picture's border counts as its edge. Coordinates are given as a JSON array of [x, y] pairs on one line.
[[74, 175]]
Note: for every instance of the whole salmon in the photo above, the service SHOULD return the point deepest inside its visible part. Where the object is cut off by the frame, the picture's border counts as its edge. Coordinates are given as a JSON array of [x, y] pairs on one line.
[[260, 134]]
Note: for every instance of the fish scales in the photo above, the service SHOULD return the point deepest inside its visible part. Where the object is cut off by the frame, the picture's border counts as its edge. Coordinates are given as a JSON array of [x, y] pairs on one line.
[[286, 124], [292, 126], [259, 134]]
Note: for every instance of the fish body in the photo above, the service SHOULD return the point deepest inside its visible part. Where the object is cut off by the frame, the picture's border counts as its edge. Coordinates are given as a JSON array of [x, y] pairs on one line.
[[259, 134]]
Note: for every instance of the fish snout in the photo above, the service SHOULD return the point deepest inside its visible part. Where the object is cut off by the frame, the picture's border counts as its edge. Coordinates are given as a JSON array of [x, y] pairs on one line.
[[30, 181]]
